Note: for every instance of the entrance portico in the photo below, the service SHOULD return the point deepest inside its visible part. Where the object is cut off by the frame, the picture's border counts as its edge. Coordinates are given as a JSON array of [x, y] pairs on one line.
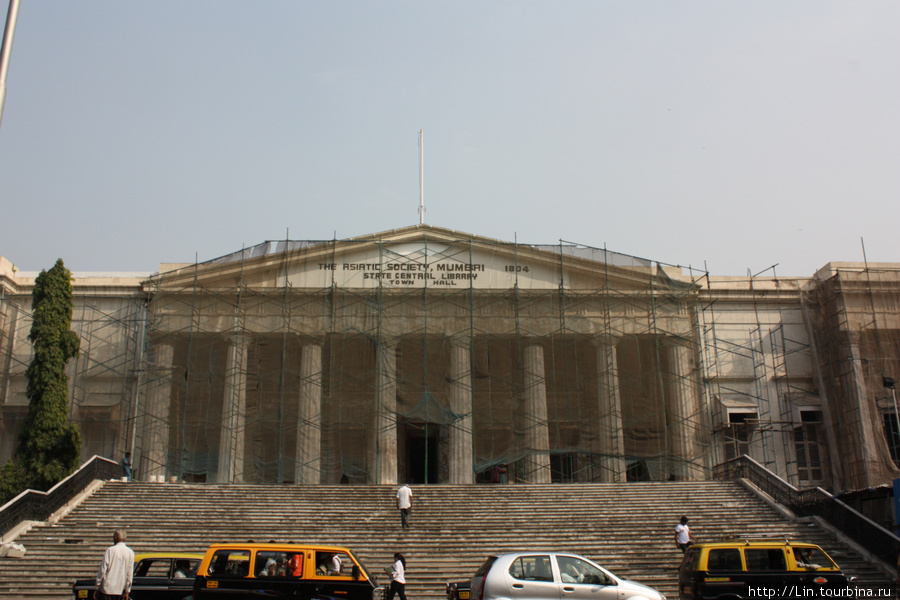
[[419, 355]]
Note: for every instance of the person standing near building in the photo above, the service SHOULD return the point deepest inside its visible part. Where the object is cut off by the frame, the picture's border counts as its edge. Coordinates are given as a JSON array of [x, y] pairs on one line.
[[683, 535], [116, 570], [404, 503], [126, 467], [398, 578]]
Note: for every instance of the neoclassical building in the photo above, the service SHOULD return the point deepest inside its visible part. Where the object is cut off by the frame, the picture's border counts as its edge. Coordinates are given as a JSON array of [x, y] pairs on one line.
[[429, 355]]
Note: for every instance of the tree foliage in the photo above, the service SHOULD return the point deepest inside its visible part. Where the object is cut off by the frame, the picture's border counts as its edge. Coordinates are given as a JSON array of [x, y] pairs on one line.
[[49, 446]]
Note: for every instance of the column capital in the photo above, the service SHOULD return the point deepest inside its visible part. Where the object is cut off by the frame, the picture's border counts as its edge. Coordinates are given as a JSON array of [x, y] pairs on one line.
[[460, 341], [606, 339], [160, 354], [158, 342], [388, 341], [306, 339], [237, 339], [676, 342]]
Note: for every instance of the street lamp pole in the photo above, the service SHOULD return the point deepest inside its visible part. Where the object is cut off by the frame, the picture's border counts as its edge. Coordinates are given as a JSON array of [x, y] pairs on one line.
[[6, 49]]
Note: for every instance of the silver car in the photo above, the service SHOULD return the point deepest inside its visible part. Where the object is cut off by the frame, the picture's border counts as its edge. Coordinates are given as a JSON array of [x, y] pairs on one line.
[[552, 576]]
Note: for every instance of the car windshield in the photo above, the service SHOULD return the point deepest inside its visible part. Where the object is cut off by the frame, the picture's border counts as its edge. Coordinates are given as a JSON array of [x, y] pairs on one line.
[[354, 563]]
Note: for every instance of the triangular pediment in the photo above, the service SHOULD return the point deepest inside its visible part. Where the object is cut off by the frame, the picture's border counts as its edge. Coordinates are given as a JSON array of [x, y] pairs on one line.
[[422, 256]]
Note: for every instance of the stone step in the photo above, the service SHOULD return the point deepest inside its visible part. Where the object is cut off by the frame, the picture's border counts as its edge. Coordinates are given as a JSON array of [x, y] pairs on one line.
[[626, 527]]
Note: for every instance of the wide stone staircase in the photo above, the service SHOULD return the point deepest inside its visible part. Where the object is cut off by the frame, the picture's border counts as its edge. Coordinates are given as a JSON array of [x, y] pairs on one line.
[[628, 528]]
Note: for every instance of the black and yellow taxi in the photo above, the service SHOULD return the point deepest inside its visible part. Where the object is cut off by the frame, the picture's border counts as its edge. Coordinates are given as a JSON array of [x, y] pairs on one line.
[[745, 568], [157, 576], [275, 570]]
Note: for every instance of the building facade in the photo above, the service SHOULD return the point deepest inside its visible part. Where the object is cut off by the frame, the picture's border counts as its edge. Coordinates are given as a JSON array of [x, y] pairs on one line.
[[428, 355]]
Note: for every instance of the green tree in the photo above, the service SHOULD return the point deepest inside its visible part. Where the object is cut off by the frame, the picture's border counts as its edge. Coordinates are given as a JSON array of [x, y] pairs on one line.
[[49, 445]]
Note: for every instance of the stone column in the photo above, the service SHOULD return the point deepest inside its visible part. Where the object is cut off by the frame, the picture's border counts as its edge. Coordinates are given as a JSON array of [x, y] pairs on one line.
[[308, 466], [611, 435], [682, 414], [234, 411], [383, 446], [860, 457], [157, 403], [9, 318], [534, 422], [460, 396]]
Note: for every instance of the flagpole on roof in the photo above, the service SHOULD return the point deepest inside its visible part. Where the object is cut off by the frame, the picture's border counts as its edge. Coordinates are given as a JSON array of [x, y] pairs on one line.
[[8, 33], [421, 177]]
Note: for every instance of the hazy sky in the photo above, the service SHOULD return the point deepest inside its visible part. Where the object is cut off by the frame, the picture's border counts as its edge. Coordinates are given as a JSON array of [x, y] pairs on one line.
[[736, 134]]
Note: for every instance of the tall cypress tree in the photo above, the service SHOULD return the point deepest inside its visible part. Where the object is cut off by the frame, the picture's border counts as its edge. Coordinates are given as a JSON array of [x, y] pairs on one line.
[[49, 445]]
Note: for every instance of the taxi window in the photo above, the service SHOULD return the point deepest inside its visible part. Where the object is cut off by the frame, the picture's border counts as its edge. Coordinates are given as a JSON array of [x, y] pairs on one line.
[[153, 567], [812, 558], [724, 559], [333, 564], [765, 559], [272, 563], [185, 567], [532, 568], [230, 563]]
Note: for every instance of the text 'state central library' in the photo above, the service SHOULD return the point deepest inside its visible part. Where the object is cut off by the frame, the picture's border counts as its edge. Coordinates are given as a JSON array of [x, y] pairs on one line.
[[432, 356]]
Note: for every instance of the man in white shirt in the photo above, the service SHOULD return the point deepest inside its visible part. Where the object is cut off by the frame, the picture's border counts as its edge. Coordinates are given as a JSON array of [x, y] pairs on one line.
[[683, 535], [404, 503], [116, 570]]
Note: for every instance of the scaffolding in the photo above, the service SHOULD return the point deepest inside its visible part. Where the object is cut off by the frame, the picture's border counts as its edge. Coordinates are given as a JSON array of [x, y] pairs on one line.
[[762, 377], [541, 355], [103, 386], [429, 356], [855, 320]]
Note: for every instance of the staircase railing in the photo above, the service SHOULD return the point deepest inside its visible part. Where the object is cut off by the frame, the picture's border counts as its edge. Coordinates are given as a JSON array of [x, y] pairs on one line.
[[34, 505], [815, 502]]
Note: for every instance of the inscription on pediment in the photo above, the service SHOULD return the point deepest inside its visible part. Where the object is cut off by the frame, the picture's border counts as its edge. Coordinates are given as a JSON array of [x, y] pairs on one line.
[[419, 265]]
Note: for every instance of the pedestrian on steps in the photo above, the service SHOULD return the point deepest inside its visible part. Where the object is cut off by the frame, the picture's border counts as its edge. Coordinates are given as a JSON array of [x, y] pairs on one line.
[[126, 467], [404, 503], [398, 578], [683, 535]]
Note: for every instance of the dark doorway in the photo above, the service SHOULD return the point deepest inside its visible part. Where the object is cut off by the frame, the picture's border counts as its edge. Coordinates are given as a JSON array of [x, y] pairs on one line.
[[638, 471], [562, 468], [422, 452]]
